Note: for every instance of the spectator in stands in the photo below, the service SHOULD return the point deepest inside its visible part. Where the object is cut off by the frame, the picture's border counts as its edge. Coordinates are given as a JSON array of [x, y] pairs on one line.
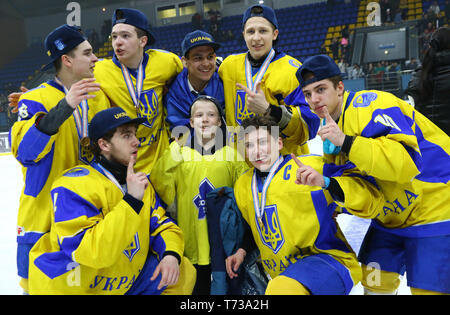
[[342, 66], [434, 9], [228, 35], [398, 18], [199, 77], [197, 22], [334, 47], [412, 64], [357, 72], [447, 12], [384, 7], [379, 71], [430, 85]]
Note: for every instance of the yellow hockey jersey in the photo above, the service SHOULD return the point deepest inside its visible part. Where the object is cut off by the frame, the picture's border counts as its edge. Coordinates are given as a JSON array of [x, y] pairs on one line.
[[298, 219], [160, 67], [407, 155], [185, 174], [43, 157], [98, 243], [278, 82]]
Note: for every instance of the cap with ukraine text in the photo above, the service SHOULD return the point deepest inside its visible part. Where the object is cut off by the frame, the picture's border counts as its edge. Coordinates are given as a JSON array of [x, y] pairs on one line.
[[133, 17], [60, 41], [109, 119], [195, 39], [260, 10], [322, 66]]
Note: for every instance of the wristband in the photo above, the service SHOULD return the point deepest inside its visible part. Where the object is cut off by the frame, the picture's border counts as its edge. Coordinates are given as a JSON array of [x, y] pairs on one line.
[[327, 182]]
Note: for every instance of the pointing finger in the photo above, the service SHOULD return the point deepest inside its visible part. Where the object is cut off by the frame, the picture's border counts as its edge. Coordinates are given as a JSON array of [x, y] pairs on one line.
[[130, 169], [297, 161]]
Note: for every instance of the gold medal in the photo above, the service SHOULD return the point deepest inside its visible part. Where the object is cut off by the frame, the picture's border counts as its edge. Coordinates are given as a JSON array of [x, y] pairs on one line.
[[85, 141]]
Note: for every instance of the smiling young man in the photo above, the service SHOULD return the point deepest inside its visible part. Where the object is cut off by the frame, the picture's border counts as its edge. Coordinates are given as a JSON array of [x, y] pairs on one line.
[[135, 79], [51, 131], [259, 81], [199, 77], [408, 157], [301, 246], [110, 234]]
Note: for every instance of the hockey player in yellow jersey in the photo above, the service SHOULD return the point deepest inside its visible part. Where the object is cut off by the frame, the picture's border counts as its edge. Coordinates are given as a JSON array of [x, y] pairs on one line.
[[260, 81], [187, 172], [110, 234], [134, 79], [408, 156], [51, 132], [301, 245]]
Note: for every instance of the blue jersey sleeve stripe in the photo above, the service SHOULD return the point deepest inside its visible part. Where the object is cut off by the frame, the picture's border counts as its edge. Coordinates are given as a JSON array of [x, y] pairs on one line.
[[423, 230], [70, 205], [32, 144], [326, 239], [54, 264], [37, 175], [158, 245], [436, 160], [333, 170]]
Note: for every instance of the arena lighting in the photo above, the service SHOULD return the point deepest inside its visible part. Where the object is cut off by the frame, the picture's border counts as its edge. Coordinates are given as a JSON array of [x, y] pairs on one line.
[[261, 1]]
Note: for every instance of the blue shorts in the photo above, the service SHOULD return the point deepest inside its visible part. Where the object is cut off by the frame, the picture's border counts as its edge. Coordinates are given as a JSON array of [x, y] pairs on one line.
[[321, 275], [426, 260], [143, 285]]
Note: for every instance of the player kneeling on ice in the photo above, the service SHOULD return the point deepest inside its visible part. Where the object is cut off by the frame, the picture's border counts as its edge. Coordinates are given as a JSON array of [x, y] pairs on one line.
[[301, 245], [110, 234]]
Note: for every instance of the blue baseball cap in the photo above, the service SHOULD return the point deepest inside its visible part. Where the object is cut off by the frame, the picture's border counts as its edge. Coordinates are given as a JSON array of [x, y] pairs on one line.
[[195, 39], [322, 66], [60, 41], [263, 11], [109, 119], [133, 17]]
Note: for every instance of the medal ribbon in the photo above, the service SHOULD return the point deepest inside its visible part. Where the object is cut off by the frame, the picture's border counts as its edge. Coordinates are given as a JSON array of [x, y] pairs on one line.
[[259, 208], [260, 74], [135, 93], [111, 178]]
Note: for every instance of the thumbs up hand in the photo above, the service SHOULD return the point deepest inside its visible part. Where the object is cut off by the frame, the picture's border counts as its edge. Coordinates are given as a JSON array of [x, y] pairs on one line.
[[256, 100], [306, 175]]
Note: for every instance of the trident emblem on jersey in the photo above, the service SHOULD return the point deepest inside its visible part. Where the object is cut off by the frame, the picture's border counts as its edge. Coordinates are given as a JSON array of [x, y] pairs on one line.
[[148, 107], [240, 107], [270, 231], [133, 248], [200, 199]]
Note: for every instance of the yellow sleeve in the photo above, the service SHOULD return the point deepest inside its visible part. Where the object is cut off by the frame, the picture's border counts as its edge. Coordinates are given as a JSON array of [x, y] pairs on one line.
[[163, 174]]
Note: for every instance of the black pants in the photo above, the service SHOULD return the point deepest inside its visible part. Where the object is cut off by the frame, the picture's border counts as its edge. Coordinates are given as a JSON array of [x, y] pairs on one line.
[[203, 283]]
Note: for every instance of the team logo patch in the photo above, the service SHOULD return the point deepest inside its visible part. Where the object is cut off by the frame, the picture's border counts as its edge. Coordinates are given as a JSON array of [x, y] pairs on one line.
[[148, 107], [133, 248], [240, 107], [294, 63], [200, 199], [76, 172], [59, 44], [270, 233], [364, 99]]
